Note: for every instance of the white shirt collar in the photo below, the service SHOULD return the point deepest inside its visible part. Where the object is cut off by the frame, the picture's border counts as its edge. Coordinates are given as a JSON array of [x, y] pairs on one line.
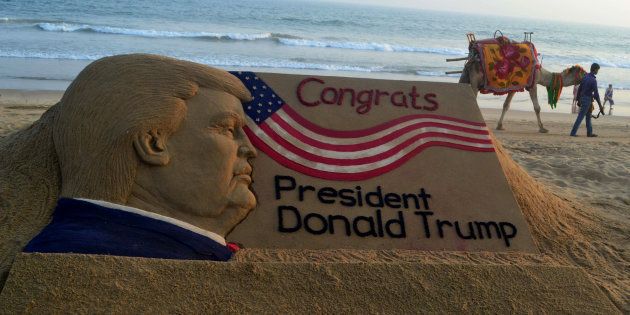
[[211, 235]]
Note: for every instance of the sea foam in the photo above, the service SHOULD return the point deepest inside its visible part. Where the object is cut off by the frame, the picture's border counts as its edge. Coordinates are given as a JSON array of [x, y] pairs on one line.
[[369, 46], [284, 39], [70, 27]]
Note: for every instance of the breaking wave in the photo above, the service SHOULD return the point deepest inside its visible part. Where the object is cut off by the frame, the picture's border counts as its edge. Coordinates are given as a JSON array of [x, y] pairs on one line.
[[283, 39], [370, 46], [70, 27]]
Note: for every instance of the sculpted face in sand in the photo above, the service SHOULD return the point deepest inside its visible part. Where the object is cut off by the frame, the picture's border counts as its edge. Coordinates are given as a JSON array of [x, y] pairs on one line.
[[205, 173], [161, 135]]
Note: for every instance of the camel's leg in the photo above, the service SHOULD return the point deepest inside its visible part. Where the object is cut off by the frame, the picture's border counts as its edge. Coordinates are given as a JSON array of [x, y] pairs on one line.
[[533, 94], [506, 106]]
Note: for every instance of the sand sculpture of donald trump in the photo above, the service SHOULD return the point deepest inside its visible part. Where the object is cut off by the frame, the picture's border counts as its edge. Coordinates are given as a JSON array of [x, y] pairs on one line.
[[144, 156]]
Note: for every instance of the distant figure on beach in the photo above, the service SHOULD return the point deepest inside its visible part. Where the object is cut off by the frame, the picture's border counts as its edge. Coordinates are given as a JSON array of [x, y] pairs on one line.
[[574, 107], [587, 92], [608, 96], [149, 159]]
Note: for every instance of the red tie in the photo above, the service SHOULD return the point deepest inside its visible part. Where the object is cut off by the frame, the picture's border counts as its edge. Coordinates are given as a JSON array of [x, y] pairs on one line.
[[233, 247]]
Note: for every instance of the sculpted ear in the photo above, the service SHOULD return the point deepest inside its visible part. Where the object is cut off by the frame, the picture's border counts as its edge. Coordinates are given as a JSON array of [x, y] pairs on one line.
[[151, 148]]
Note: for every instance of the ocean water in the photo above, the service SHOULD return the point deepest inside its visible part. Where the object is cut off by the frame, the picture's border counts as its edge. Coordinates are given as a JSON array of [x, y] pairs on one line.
[[51, 41]]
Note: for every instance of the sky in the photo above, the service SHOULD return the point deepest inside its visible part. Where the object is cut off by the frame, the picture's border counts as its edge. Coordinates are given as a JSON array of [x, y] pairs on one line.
[[605, 12]]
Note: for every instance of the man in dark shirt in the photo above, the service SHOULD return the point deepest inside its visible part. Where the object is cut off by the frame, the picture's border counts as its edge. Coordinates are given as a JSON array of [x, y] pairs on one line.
[[586, 94]]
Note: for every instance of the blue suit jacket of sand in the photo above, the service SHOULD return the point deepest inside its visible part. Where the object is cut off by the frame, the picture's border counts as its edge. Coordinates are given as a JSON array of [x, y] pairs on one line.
[[95, 227]]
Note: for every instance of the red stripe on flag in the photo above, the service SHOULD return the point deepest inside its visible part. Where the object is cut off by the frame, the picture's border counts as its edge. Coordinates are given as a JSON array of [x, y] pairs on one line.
[[351, 176], [364, 160], [372, 143], [368, 131]]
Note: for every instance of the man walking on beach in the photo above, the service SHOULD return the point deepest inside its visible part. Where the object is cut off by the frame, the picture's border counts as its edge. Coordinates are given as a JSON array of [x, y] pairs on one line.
[[586, 94], [608, 96]]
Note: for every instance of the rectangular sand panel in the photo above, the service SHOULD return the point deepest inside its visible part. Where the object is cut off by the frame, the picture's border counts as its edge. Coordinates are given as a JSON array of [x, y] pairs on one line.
[[375, 164]]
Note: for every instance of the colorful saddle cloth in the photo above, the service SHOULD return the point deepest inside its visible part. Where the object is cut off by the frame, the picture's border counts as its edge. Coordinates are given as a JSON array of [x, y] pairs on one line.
[[507, 65]]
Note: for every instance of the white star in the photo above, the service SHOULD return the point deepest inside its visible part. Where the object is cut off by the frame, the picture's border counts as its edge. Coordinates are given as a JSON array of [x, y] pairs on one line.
[[249, 107], [257, 119], [264, 87], [246, 78], [279, 102], [273, 95], [259, 104], [262, 95], [255, 78], [254, 87]]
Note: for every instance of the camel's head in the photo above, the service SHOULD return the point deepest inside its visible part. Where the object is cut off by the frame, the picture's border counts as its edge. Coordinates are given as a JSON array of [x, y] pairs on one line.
[[575, 73]]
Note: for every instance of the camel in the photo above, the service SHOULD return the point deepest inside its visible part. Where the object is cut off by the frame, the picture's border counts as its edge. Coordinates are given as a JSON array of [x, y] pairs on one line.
[[473, 75]]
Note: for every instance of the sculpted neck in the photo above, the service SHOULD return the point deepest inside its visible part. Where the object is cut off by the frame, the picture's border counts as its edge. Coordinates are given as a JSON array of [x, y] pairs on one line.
[[142, 198]]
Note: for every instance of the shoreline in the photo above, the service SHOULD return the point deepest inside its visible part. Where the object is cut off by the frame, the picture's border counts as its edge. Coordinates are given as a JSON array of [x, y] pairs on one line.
[[40, 94], [24, 105], [41, 81]]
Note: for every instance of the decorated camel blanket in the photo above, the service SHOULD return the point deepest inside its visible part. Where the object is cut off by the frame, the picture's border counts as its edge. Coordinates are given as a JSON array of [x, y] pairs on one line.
[[507, 65]]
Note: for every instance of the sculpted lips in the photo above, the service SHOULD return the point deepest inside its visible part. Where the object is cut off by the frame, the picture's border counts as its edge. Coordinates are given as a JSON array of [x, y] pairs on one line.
[[245, 178], [244, 173]]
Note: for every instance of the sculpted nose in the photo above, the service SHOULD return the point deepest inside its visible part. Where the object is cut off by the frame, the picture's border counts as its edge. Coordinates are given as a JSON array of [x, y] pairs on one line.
[[246, 148]]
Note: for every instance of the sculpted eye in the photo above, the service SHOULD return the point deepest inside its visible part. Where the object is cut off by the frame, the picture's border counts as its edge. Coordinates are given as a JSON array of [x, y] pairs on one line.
[[226, 129], [227, 126]]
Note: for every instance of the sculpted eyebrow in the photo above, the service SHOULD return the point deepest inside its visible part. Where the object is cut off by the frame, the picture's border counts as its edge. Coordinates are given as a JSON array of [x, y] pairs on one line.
[[229, 115]]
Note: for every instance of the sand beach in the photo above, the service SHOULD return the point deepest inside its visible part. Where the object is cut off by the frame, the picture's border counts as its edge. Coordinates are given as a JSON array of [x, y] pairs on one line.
[[573, 193]]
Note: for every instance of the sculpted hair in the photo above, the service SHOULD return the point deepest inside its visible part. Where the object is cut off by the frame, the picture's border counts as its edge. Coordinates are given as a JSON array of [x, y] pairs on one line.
[[110, 102]]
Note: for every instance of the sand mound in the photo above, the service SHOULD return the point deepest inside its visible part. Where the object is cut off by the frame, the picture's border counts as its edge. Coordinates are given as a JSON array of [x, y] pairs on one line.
[[565, 232], [571, 233], [28, 190], [112, 284]]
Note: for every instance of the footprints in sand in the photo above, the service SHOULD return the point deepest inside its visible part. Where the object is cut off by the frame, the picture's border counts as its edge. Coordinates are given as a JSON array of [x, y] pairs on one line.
[[597, 172]]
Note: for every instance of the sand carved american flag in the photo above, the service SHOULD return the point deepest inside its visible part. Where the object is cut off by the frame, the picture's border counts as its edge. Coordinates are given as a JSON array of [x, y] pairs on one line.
[[349, 155]]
